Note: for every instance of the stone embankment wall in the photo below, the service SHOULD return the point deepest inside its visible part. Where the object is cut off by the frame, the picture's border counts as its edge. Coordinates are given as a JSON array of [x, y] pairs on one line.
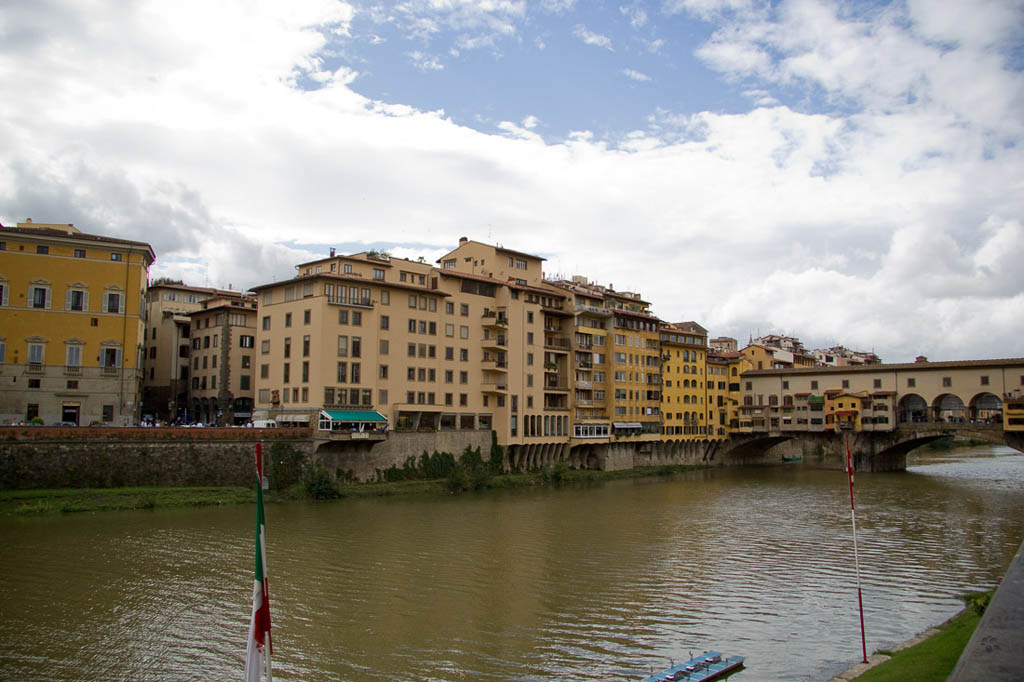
[[362, 460], [103, 457]]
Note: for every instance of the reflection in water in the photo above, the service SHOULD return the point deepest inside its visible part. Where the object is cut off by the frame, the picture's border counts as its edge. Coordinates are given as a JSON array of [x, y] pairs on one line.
[[601, 582]]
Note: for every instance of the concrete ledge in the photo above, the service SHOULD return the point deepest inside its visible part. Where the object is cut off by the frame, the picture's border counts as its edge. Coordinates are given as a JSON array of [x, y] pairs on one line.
[[996, 649]]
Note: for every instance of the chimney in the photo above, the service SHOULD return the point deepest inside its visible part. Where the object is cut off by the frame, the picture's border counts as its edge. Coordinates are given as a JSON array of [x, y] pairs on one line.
[[332, 252], [463, 240]]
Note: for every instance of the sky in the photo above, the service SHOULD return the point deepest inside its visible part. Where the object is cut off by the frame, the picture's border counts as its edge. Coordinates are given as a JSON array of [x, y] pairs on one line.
[[844, 172]]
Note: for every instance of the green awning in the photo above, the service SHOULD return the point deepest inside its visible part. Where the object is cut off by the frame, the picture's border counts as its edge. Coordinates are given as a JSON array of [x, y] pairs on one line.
[[353, 416]]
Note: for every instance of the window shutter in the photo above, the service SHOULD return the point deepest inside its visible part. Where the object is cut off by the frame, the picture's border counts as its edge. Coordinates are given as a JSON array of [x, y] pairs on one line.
[[85, 300], [120, 307], [67, 300], [117, 357], [106, 302]]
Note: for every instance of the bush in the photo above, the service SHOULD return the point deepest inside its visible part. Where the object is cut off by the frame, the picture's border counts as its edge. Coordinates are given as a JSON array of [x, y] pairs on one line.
[[38, 421], [457, 480], [319, 484]]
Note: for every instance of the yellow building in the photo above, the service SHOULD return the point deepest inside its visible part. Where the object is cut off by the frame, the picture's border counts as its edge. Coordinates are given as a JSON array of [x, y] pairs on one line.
[[223, 354], [688, 412], [71, 324], [165, 383]]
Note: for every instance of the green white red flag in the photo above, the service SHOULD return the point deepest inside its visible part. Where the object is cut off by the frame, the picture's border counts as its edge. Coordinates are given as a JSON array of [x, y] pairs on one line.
[[257, 656]]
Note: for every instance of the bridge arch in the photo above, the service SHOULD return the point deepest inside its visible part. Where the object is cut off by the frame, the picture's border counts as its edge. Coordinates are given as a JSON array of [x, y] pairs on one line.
[[948, 407], [986, 407], [912, 408]]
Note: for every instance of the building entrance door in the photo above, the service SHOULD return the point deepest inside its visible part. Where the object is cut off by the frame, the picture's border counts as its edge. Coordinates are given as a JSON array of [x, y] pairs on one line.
[[71, 413]]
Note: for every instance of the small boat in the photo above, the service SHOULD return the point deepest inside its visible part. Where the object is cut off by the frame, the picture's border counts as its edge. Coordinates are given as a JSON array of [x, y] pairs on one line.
[[710, 665]]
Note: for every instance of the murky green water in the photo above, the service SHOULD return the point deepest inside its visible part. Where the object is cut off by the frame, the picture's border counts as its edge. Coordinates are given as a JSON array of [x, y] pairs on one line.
[[597, 583]]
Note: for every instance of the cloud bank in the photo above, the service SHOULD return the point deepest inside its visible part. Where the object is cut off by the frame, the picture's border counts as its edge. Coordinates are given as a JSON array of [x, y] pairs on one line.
[[881, 206]]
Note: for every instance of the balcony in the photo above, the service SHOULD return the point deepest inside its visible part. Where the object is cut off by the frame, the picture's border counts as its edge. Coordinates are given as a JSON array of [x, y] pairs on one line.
[[557, 343], [73, 370], [584, 384], [494, 387], [592, 310], [555, 382], [357, 303], [584, 364], [494, 366], [493, 319], [498, 342], [109, 371], [35, 368]]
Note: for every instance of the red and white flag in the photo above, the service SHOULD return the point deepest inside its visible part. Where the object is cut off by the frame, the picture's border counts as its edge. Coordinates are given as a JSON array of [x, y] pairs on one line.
[[257, 655]]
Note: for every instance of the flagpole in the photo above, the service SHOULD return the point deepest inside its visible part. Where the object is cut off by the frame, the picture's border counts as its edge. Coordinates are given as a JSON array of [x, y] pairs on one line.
[[856, 557], [260, 645]]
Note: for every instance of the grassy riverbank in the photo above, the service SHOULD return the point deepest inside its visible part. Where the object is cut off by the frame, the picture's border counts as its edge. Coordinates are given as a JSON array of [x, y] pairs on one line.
[[933, 659], [71, 500]]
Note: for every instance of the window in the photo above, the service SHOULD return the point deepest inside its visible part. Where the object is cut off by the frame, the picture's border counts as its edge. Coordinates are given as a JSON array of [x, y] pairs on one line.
[[40, 248], [307, 316], [79, 253], [110, 357], [305, 346], [40, 296], [846, 383], [245, 341], [342, 346], [36, 353], [449, 307], [877, 383], [115, 256], [342, 372], [264, 372], [383, 372], [77, 299], [357, 318], [342, 317], [984, 381], [74, 355], [947, 381], [287, 346], [287, 373], [378, 273], [463, 332], [265, 346], [464, 309], [287, 319], [385, 321], [266, 322], [814, 385]]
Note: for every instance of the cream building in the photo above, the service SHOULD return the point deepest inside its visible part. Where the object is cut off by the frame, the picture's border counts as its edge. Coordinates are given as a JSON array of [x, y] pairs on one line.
[[223, 354], [71, 325], [165, 383]]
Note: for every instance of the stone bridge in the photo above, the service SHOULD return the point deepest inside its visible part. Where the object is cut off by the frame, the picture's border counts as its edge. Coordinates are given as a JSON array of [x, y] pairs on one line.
[[871, 450]]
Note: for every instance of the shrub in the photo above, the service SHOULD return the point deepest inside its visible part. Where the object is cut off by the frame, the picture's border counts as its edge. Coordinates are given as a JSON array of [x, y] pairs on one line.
[[286, 465], [319, 484]]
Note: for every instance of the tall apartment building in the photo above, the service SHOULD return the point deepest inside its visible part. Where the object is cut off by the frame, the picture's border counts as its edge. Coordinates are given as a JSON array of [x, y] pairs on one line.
[[479, 342], [71, 324], [167, 338], [223, 353], [689, 413]]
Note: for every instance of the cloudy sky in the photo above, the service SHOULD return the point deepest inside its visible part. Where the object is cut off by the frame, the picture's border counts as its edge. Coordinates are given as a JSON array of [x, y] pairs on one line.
[[846, 172]]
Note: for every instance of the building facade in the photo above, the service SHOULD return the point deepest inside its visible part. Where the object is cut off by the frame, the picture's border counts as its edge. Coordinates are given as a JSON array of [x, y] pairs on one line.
[[167, 338], [222, 355], [71, 325]]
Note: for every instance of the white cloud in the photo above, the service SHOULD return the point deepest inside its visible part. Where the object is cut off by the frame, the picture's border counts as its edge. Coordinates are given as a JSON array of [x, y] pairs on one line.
[[425, 62], [893, 223], [591, 38], [635, 75], [636, 14]]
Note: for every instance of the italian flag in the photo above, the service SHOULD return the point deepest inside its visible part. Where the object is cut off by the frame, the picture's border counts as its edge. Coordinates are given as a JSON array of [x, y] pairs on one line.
[[257, 656]]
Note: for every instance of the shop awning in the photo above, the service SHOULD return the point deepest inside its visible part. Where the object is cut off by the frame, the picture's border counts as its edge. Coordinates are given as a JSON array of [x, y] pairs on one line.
[[293, 418], [353, 416], [627, 425]]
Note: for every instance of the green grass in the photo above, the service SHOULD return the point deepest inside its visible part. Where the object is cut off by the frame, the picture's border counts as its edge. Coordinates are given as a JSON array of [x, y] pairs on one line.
[[71, 500], [933, 659]]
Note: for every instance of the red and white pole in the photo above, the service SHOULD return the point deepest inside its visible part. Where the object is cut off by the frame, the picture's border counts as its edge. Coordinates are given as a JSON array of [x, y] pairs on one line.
[[856, 557]]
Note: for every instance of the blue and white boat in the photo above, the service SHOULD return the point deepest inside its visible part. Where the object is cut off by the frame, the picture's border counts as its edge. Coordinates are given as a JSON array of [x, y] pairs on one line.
[[710, 665]]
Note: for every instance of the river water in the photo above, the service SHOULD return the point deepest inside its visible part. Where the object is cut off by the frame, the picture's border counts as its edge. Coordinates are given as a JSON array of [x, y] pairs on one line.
[[601, 582]]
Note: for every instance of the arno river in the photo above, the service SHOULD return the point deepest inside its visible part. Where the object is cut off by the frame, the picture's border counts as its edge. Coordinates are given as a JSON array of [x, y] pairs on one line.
[[600, 583]]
